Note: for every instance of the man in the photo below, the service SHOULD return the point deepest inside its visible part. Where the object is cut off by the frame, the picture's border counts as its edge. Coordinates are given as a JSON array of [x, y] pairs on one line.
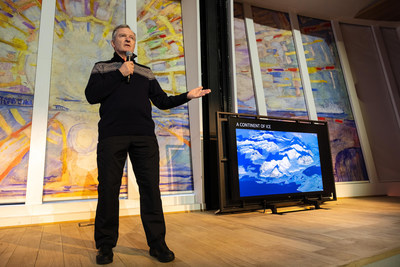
[[124, 89]]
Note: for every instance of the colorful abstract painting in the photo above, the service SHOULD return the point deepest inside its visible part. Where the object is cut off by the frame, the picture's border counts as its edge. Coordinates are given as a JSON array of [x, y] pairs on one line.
[[331, 99], [19, 29], [160, 47], [244, 81], [82, 36], [283, 89]]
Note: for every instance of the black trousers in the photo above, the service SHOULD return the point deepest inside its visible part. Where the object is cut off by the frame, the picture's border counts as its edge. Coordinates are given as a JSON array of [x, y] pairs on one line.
[[111, 156]]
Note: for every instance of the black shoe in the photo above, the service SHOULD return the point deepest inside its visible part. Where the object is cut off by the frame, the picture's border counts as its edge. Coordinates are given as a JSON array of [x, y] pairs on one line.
[[162, 253], [105, 255]]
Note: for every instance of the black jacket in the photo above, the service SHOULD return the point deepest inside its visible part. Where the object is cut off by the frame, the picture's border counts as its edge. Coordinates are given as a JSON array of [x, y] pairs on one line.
[[125, 108]]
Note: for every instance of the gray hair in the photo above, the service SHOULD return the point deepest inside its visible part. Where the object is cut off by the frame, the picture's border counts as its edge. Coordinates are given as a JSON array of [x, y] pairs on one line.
[[121, 26]]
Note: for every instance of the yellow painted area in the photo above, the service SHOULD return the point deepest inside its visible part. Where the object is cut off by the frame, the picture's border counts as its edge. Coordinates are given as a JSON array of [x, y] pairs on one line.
[[14, 141], [310, 59], [159, 73], [284, 84], [4, 20], [91, 19], [16, 43], [107, 26], [6, 7], [13, 83], [281, 33], [173, 82], [60, 17], [6, 60], [290, 53], [318, 81], [148, 7], [52, 132], [287, 96], [314, 42], [91, 7], [173, 37], [167, 24], [142, 55], [19, 68], [158, 6], [17, 116], [267, 65], [70, 26], [64, 149], [25, 142], [51, 141], [4, 125], [70, 195]]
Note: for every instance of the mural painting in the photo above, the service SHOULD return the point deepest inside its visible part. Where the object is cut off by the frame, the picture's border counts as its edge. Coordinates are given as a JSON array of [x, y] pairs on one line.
[[82, 36], [283, 89], [19, 29], [244, 81], [160, 47], [331, 99]]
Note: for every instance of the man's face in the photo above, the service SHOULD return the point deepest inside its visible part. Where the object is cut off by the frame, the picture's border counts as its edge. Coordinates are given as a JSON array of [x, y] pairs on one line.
[[124, 41]]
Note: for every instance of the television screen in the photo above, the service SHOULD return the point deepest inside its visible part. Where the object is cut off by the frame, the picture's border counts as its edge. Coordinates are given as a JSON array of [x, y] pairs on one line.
[[277, 162], [278, 159]]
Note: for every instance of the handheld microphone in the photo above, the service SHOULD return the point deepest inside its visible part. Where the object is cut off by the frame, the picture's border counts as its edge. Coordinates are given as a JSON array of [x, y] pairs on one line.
[[129, 55]]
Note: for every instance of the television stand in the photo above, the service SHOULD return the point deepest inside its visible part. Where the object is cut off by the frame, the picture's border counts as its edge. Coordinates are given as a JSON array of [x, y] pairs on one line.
[[303, 202], [316, 202], [273, 209]]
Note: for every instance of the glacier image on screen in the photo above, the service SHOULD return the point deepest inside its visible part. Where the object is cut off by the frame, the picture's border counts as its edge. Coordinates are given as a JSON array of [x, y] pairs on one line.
[[277, 162]]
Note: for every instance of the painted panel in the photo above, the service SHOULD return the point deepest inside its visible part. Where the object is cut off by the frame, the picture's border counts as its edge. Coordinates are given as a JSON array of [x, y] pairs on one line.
[[283, 89], [245, 92], [82, 37], [160, 47], [331, 99], [19, 29]]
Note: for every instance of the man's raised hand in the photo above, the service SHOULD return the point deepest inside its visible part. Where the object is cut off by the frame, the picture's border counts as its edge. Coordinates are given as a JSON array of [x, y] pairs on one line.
[[198, 92]]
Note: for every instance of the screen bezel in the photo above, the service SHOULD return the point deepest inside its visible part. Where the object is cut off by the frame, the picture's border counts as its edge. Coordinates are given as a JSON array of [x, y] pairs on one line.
[[285, 125]]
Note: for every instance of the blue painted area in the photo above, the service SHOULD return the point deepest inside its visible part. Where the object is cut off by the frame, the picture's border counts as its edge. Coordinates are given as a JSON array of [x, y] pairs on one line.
[[277, 162]]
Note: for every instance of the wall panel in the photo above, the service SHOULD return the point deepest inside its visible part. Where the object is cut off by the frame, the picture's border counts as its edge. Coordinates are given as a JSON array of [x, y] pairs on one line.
[[375, 100]]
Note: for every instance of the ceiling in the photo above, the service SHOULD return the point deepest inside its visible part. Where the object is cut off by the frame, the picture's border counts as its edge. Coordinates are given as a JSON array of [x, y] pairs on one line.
[[345, 10], [386, 10]]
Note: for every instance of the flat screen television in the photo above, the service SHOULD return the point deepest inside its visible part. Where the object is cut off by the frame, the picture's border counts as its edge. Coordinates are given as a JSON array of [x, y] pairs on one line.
[[280, 159]]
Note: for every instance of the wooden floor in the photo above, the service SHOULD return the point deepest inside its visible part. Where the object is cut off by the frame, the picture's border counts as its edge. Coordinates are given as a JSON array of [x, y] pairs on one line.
[[347, 232]]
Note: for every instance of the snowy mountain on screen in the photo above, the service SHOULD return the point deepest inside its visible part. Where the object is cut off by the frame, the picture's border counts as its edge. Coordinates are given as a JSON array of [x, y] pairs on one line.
[[279, 158]]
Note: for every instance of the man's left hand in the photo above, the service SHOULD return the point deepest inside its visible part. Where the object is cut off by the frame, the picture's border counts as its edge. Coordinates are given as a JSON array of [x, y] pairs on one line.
[[198, 92]]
